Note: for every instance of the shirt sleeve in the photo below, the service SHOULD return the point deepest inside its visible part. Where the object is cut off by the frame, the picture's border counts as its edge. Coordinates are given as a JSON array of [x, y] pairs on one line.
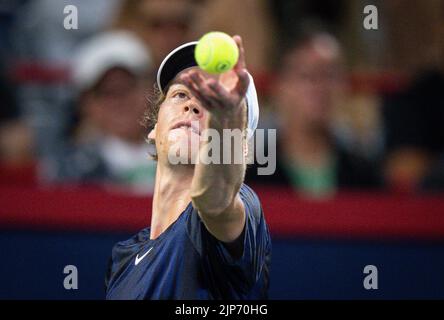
[[225, 271]]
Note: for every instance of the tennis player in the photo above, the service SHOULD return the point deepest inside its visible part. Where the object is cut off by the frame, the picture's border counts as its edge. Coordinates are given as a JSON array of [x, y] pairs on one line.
[[208, 237]]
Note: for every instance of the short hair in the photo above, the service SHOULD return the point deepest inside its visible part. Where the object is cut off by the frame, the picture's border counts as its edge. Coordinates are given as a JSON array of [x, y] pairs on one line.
[[155, 99]]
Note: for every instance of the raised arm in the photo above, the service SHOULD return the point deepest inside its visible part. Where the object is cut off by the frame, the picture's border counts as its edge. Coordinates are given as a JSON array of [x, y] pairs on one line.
[[215, 187]]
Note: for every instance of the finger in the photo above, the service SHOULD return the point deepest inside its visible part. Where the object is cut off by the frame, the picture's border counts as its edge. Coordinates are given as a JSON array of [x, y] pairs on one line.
[[195, 90], [240, 69], [220, 92], [201, 90], [204, 88], [215, 93], [242, 83], [241, 64]]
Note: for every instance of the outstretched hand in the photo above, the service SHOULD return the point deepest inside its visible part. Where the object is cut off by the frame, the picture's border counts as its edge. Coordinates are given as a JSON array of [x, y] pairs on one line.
[[221, 95]]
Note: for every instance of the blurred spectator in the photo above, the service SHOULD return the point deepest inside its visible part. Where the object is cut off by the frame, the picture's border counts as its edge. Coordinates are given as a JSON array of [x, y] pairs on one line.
[[163, 25], [111, 73], [414, 133], [289, 13], [42, 49], [15, 136], [8, 14], [410, 25], [309, 83], [40, 34], [258, 31], [9, 109]]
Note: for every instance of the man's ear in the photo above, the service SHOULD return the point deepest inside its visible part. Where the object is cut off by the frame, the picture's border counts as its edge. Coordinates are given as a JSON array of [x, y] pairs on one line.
[[152, 134]]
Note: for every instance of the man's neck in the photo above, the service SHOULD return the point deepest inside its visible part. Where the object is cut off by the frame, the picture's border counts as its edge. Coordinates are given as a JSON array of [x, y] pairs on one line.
[[171, 196]]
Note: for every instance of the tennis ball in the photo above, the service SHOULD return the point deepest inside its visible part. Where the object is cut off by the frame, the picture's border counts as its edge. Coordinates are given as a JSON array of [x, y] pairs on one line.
[[216, 52]]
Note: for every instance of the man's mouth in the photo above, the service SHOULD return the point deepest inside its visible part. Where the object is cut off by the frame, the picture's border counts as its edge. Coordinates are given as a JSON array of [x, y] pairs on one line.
[[192, 126]]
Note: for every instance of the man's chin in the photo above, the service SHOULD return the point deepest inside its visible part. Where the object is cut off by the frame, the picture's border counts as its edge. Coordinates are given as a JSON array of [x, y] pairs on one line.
[[183, 152], [182, 160]]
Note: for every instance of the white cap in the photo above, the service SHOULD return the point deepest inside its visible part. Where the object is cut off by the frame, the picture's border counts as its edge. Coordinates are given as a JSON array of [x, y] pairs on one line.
[[182, 58], [252, 107], [107, 50]]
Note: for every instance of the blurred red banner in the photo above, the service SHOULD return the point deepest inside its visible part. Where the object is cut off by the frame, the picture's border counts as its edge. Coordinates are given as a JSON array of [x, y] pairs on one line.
[[348, 215]]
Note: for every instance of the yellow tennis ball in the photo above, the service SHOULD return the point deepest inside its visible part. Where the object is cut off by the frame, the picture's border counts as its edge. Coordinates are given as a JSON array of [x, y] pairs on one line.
[[216, 52]]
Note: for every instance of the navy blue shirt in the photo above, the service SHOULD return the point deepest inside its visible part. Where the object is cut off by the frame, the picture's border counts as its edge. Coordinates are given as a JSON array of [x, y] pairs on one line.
[[187, 262]]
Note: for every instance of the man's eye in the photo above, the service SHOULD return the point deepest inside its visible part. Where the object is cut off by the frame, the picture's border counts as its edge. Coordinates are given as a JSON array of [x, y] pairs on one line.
[[180, 95]]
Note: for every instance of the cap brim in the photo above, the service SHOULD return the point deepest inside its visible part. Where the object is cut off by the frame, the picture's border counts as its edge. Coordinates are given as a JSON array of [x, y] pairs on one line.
[[178, 60]]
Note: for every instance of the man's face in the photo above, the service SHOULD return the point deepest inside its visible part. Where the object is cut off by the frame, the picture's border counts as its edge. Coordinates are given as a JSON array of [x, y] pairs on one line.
[[116, 105], [181, 120], [310, 83]]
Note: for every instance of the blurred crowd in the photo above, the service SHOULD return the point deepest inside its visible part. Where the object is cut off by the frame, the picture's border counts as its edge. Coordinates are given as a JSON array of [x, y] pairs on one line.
[[354, 109]]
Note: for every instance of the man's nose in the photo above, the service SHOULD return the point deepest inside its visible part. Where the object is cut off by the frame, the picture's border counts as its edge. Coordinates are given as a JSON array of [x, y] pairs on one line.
[[195, 110]]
